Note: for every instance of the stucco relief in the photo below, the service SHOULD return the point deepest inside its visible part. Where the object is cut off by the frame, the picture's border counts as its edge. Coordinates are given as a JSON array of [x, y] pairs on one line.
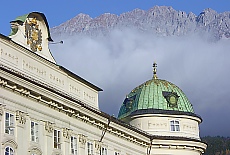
[[97, 146], [89, 97], [157, 125], [189, 127], [10, 57], [9, 142], [38, 70], [82, 140], [56, 80], [49, 127], [20, 117], [74, 89], [136, 124], [35, 150], [57, 152], [33, 68], [1, 110], [67, 133]]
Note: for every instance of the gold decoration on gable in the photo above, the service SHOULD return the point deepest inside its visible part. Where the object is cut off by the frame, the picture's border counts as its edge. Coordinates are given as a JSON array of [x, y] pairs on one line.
[[33, 34]]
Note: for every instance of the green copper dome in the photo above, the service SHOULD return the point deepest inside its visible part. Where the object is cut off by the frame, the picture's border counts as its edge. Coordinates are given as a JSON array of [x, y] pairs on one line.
[[155, 94]]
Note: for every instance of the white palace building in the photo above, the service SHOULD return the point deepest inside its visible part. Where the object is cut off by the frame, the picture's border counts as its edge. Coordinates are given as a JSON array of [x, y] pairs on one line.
[[46, 109]]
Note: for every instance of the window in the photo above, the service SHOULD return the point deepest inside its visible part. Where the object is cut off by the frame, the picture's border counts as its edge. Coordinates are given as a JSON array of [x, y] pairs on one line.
[[57, 139], [9, 123], [34, 131], [103, 151], [174, 125], [9, 151], [116, 153], [73, 143], [90, 148]]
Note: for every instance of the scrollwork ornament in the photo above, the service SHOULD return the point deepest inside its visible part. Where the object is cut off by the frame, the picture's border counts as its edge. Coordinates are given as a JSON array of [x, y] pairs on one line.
[[97, 145], [21, 117], [82, 139], [67, 133], [49, 127], [1, 110]]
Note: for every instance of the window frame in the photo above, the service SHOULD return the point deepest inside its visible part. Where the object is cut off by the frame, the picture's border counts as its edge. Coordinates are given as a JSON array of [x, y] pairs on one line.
[[174, 125], [57, 139], [89, 148], [35, 132], [9, 123], [73, 145], [103, 151], [9, 152], [116, 153]]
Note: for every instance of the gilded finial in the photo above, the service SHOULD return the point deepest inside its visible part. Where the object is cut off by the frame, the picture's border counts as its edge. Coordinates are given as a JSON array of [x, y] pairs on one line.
[[154, 70]]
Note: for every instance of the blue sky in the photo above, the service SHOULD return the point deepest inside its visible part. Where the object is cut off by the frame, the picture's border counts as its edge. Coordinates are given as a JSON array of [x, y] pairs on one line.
[[201, 76], [58, 11]]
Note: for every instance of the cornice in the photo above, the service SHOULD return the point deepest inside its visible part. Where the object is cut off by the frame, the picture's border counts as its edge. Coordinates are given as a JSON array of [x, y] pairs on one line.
[[81, 114], [151, 112]]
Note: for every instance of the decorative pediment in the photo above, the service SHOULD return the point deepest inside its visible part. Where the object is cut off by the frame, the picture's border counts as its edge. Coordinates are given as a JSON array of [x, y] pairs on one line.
[[9, 142], [32, 32], [35, 150]]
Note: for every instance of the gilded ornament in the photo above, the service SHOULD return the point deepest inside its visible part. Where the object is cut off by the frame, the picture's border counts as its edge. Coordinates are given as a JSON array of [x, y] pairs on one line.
[[39, 47], [33, 34], [34, 21]]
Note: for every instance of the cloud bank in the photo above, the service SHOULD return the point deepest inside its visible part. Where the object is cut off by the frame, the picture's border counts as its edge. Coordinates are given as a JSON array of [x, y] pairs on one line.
[[119, 62]]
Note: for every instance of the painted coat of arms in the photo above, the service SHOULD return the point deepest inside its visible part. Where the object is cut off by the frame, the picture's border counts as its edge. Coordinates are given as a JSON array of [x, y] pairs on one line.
[[33, 34]]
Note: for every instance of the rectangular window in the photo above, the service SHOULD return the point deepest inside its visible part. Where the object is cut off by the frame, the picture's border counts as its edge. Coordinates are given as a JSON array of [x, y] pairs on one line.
[[57, 139], [174, 125], [9, 123], [90, 148], [73, 143], [34, 131], [103, 151]]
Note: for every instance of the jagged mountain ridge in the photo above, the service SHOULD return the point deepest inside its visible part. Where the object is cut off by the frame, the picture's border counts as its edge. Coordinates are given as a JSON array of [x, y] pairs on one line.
[[160, 20]]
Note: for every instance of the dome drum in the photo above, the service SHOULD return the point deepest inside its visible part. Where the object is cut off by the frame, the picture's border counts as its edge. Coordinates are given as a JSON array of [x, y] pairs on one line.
[[167, 124]]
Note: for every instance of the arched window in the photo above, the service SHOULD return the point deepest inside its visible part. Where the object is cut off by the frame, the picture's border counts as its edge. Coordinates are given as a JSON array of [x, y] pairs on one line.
[[9, 146], [9, 151]]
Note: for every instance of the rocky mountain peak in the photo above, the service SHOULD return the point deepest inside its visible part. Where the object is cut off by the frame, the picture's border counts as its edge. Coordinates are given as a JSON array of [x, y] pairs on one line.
[[158, 20]]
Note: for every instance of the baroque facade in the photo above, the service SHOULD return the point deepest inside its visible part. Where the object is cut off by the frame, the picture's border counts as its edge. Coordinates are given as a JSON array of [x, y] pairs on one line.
[[46, 109]]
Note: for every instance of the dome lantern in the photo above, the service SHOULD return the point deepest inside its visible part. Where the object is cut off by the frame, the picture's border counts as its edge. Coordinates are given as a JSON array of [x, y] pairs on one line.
[[155, 70]]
